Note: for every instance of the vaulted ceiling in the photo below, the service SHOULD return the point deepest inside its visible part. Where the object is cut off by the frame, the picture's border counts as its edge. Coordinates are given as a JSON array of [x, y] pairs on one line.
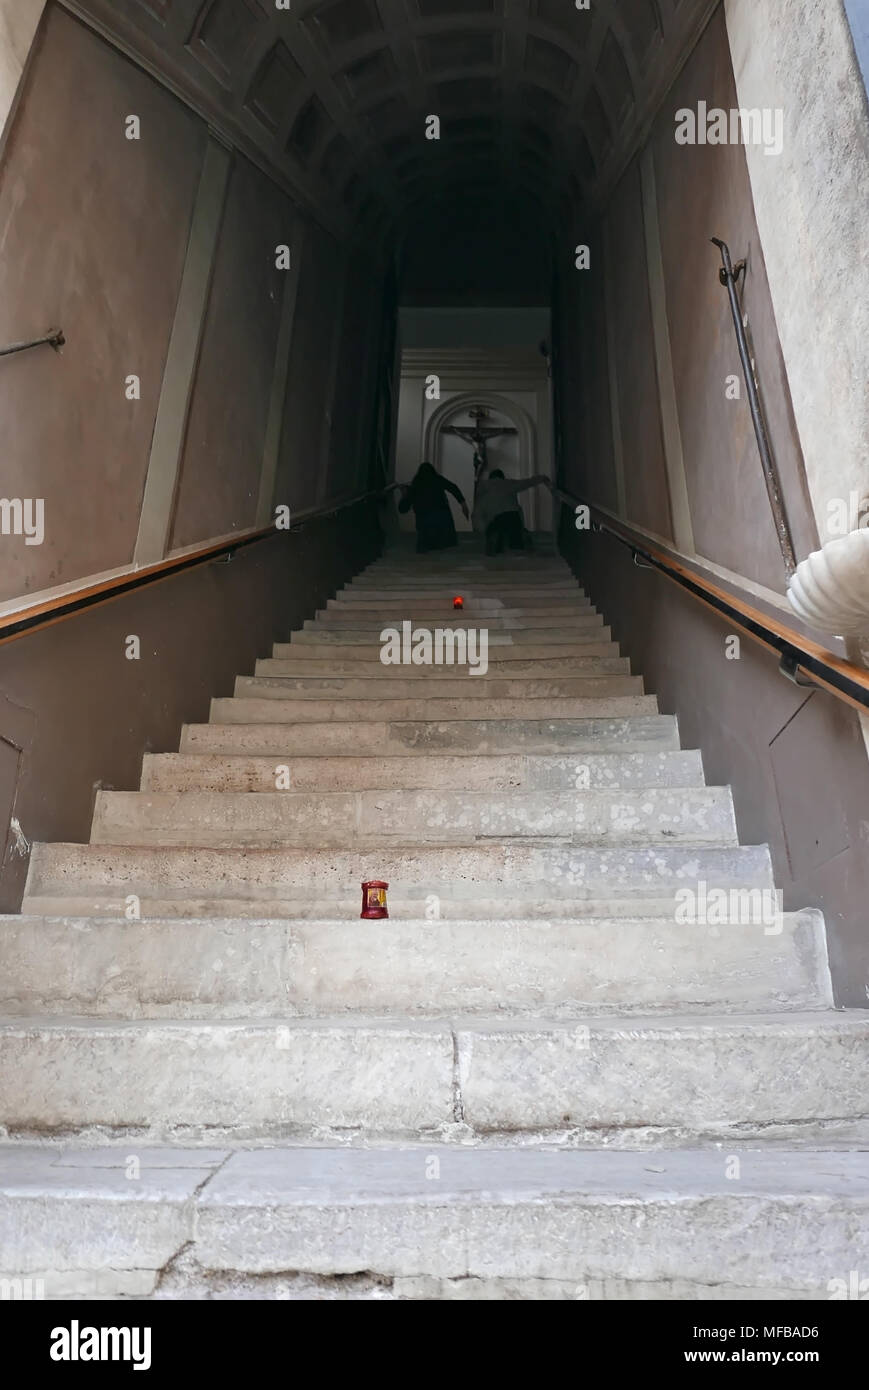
[[333, 95]]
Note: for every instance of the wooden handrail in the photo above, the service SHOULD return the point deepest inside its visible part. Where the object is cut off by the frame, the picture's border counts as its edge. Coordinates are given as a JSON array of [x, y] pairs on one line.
[[796, 652], [54, 610]]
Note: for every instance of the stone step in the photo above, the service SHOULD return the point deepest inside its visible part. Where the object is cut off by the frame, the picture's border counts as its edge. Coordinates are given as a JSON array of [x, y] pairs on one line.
[[513, 660], [501, 573], [496, 619], [506, 577], [486, 585], [421, 738], [530, 878], [493, 772], [433, 1222], [541, 637], [511, 598], [455, 567], [404, 906], [496, 566], [392, 685], [596, 642], [564, 968], [230, 820], [601, 657], [254, 967], [682, 1074], [369, 621], [423, 608], [469, 551], [319, 711]]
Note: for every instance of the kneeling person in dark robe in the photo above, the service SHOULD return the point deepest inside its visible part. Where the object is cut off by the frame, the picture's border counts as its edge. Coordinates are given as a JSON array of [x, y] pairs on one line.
[[427, 495]]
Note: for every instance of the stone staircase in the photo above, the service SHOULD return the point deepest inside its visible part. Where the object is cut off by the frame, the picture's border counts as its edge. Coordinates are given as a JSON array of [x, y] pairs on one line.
[[535, 1080]]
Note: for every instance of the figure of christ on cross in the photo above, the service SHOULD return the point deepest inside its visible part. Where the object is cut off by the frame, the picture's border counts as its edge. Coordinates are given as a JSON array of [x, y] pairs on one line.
[[478, 436]]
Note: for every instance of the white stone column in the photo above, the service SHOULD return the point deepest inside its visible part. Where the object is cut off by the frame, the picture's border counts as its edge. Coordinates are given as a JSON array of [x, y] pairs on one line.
[[18, 23]]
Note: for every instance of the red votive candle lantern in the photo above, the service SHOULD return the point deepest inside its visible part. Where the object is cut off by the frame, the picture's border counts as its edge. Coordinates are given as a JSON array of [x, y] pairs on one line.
[[374, 899], [458, 601]]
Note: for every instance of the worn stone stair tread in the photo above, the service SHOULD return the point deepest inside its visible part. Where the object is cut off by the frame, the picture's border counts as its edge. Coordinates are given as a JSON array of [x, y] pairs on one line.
[[443, 607], [702, 815], [445, 615], [540, 996], [393, 686], [230, 710], [595, 642], [454, 772], [596, 656], [101, 903], [632, 733], [522, 871], [516, 629], [247, 967], [393, 1076], [538, 637]]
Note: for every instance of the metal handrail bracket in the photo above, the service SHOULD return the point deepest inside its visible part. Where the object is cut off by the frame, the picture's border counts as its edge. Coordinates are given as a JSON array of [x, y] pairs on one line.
[[729, 276], [54, 338]]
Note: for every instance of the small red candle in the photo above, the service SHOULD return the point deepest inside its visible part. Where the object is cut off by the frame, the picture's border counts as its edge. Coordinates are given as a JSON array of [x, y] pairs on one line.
[[374, 899], [458, 601]]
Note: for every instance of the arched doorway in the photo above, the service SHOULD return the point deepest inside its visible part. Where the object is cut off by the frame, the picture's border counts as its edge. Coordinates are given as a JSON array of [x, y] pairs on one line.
[[514, 449]]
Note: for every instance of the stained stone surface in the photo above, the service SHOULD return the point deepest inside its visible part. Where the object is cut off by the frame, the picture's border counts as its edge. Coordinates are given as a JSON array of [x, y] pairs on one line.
[[561, 1069], [432, 1221]]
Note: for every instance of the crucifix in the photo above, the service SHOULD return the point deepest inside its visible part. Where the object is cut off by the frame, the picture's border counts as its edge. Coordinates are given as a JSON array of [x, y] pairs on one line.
[[478, 437]]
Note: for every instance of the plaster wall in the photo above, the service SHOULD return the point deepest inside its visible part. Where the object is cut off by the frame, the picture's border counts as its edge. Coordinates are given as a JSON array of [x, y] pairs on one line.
[[811, 203]]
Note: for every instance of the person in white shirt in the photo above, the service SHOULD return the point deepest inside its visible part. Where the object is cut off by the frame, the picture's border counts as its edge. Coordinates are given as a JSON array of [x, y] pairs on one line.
[[497, 512]]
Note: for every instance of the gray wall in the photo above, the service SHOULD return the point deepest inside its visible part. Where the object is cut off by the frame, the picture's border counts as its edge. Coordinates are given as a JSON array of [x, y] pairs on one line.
[[94, 233], [796, 760], [488, 328], [76, 715], [704, 191], [223, 448]]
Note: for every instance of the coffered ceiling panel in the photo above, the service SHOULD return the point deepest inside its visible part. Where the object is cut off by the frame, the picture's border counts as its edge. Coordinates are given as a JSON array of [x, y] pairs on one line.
[[332, 96], [641, 20], [158, 8], [370, 74], [453, 7], [468, 49], [549, 62], [223, 33], [341, 21], [613, 78], [271, 94], [310, 128]]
